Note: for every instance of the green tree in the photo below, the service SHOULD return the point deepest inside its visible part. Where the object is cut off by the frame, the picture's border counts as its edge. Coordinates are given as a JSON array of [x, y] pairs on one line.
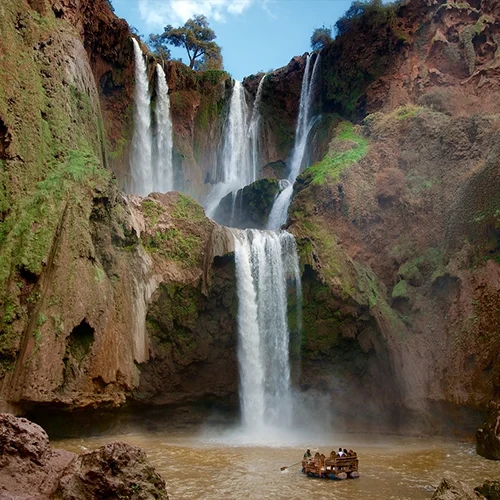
[[321, 37], [159, 47], [198, 40], [365, 13]]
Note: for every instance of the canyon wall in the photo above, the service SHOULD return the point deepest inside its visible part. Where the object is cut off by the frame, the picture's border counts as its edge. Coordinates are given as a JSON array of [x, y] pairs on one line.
[[82, 264], [112, 300], [399, 222]]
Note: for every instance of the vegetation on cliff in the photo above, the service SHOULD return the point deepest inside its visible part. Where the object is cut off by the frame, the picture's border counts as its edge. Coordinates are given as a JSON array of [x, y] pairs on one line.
[[51, 159], [369, 33]]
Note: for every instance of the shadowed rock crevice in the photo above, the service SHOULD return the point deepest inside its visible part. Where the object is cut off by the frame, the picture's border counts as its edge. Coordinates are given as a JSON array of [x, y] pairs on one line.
[[5, 140], [79, 345]]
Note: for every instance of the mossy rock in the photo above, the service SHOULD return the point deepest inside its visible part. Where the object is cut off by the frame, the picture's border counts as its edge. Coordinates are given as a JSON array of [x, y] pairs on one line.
[[401, 291], [248, 207], [346, 148]]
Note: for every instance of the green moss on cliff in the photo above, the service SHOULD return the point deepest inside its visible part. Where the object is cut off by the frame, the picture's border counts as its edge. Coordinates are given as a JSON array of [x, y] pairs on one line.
[[28, 233], [152, 210], [347, 148], [172, 325], [401, 290], [174, 244], [349, 279], [51, 159], [187, 209]]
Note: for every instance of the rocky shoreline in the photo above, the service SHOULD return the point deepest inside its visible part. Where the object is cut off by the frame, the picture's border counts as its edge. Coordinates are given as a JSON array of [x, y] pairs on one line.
[[31, 469]]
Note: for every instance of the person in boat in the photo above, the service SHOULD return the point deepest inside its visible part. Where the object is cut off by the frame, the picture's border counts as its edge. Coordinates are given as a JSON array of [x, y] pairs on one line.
[[340, 453], [345, 453], [307, 454]]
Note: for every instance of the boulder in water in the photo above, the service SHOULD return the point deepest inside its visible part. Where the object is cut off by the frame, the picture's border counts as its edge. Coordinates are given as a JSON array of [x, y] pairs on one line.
[[490, 490], [488, 436], [116, 470], [451, 489], [31, 468]]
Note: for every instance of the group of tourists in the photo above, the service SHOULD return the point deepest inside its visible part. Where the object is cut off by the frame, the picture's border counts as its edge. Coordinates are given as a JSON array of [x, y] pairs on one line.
[[341, 453]]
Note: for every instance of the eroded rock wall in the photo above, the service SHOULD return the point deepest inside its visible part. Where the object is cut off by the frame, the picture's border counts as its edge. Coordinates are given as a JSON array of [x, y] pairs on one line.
[[82, 264], [413, 277]]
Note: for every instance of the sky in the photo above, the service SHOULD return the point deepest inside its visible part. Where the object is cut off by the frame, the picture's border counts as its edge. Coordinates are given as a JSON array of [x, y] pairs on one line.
[[255, 35]]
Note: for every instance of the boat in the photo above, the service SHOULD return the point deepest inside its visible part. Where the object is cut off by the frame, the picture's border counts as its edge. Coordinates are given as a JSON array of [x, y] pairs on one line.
[[334, 467]]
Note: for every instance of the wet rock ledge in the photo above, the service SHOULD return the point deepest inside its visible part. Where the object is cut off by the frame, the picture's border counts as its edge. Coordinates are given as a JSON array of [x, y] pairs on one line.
[[30, 468]]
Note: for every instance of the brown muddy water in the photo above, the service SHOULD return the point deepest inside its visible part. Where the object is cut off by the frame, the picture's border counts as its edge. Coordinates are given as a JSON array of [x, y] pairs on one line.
[[209, 466]]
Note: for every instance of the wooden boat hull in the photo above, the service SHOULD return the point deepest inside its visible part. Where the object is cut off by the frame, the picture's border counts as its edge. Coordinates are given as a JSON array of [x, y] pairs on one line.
[[338, 468]]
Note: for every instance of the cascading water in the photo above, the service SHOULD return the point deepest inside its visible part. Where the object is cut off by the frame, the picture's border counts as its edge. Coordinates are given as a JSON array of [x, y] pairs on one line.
[[236, 166], [254, 130], [265, 261], [305, 122], [141, 157], [163, 171]]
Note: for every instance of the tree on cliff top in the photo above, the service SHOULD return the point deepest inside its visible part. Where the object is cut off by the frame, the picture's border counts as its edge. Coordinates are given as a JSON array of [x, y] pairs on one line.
[[321, 37], [366, 13], [198, 40]]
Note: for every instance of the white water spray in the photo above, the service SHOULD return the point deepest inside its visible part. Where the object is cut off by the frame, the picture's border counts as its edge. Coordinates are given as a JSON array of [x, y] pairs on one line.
[[163, 171], [141, 157], [265, 261], [305, 122]]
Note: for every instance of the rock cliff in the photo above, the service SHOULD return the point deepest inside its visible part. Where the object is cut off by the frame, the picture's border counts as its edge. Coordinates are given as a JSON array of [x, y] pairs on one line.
[[83, 265], [110, 300], [399, 222]]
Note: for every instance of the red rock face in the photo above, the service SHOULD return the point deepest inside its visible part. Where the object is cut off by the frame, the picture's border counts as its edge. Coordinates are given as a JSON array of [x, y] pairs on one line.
[[447, 60]]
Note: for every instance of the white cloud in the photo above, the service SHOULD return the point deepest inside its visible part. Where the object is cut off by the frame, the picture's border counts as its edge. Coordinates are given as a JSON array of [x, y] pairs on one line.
[[158, 13]]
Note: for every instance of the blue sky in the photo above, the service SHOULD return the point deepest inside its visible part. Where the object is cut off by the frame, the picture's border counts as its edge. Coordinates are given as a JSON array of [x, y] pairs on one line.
[[255, 35]]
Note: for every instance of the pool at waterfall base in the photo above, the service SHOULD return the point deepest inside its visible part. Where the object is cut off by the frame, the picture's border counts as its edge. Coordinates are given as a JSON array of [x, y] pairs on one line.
[[218, 464]]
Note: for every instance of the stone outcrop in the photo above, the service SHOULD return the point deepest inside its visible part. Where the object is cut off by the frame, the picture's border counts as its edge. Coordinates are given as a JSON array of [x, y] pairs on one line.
[[31, 468], [250, 206], [451, 489], [490, 490], [488, 436]]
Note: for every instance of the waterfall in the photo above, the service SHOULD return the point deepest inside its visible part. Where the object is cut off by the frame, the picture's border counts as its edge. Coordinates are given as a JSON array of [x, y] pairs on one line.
[[239, 159], [235, 155], [163, 174], [279, 212], [141, 156], [254, 131], [305, 122], [265, 262]]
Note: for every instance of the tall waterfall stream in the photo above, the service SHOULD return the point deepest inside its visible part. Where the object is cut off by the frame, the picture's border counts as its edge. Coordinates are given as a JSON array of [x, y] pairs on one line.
[[151, 167]]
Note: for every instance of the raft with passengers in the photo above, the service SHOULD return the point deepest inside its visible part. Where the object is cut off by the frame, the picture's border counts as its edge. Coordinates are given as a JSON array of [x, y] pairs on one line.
[[341, 465]]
